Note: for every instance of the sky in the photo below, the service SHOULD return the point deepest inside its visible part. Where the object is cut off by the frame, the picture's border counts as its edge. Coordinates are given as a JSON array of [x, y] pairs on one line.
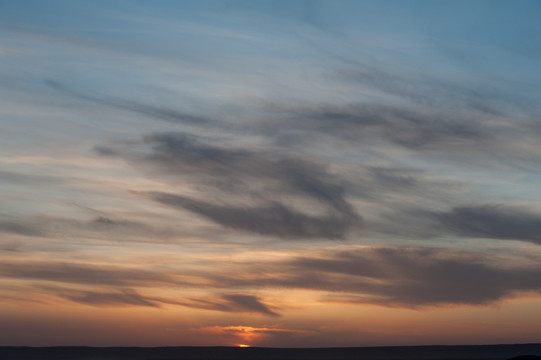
[[271, 173]]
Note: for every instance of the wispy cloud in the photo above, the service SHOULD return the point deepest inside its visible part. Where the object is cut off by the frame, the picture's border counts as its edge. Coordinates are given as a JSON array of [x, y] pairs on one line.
[[493, 221], [20, 228], [147, 110], [261, 177], [28, 179], [410, 277], [123, 297], [107, 227], [80, 273], [274, 219], [421, 276], [466, 137], [397, 276], [231, 303]]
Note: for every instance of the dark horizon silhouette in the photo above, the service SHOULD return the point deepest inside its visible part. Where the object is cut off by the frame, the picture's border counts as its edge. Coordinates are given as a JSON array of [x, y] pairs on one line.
[[429, 352]]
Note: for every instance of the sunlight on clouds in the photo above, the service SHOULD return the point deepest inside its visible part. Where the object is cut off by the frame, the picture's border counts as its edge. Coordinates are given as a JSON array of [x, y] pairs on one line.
[[249, 334]]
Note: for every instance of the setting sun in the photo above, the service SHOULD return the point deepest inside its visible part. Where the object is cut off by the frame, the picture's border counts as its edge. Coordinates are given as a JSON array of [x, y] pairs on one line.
[[244, 345]]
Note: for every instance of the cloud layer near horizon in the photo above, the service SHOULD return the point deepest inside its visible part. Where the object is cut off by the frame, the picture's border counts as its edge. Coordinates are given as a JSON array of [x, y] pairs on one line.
[[385, 276]]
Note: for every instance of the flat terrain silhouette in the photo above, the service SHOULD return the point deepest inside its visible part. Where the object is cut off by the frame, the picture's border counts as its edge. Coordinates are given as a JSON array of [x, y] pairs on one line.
[[480, 352]]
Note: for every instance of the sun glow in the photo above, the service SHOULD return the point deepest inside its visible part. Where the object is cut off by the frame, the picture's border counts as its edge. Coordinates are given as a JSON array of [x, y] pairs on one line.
[[244, 345]]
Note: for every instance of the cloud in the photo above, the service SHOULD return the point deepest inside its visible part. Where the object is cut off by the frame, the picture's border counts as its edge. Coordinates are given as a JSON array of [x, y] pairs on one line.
[[28, 179], [154, 112], [124, 290], [101, 294], [248, 303], [80, 273], [231, 303], [414, 128], [105, 227], [418, 276], [411, 114], [260, 178], [20, 228], [428, 91], [249, 334], [384, 183], [407, 277], [274, 219], [493, 221], [123, 297], [179, 153]]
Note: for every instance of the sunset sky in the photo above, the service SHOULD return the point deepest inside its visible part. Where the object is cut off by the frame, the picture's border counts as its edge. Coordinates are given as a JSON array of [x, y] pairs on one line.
[[272, 173]]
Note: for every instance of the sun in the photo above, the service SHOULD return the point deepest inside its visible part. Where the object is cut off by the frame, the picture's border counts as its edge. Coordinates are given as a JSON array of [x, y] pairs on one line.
[[244, 345]]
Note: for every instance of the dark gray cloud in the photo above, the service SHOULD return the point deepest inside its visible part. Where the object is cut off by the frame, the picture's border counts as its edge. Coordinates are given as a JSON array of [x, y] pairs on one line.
[[78, 273], [105, 223], [274, 219], [411, 127], [123, 297], [105, 226], [264, 178], [396, 277], [18, 227], [236, 303], [181, 154], [115, 292], [386, 276], [444, 119], [231, 303], [394, 178], [493, 221], [419, 276], [248, 303]]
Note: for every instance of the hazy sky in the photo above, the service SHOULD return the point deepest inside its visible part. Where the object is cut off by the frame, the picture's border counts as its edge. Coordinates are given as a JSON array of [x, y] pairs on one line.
[[274, 173]]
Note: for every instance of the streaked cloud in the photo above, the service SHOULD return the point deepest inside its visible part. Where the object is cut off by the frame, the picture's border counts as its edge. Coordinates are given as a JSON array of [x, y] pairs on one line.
[[19, 228], [493, 221], [384, 276], [125, 297], [420, 276], [231, 303], [150, 111], [274, 219], [77, 273], [28, 179], [258, 177]]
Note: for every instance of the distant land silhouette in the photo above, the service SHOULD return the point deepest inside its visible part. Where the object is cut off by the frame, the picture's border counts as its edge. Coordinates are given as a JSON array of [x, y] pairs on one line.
[[473, 352]]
